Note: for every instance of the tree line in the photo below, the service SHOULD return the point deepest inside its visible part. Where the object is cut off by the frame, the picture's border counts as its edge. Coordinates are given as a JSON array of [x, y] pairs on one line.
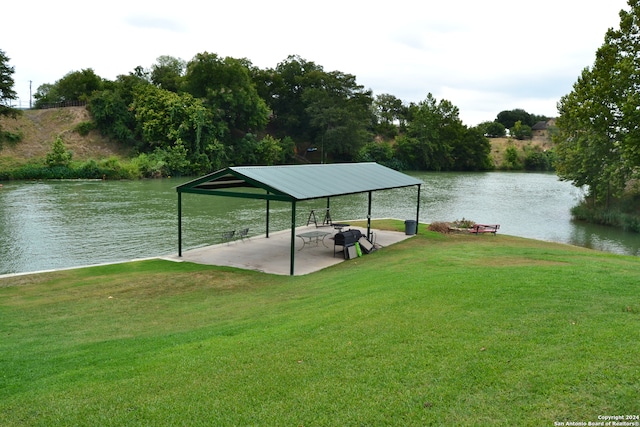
[[210, 112], [197, 116]]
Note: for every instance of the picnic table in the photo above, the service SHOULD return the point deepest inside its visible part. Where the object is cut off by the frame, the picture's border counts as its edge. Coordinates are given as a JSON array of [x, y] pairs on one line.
[[310, 237], [484, 228]]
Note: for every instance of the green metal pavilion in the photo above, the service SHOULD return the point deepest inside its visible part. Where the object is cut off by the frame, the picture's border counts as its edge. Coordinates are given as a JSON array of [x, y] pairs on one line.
[[295, 183]]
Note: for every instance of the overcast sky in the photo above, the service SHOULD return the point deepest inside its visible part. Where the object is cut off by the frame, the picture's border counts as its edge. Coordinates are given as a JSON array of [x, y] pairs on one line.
[[483, 56]]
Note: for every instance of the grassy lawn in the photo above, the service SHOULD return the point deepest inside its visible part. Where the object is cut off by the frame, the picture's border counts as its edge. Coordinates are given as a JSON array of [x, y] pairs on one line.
[[436, 330]]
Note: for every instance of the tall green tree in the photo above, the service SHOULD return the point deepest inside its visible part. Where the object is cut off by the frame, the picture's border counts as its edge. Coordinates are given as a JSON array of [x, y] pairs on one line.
[[79, 85], [283, 88], [390, 113], [179, 125], [327, 110], [7, 93], [472, 152], [340, 111], [112, 115], [521, 131], [228, 90], [427, 143], [168, 72], [598, 144], [492, 129], [436, 139], [165, 118], [74, 86], [46, 94], [508, 118], [388, 108], [110, 107]]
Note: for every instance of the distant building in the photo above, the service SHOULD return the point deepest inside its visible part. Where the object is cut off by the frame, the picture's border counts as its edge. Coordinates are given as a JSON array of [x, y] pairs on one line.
[[540, 129]]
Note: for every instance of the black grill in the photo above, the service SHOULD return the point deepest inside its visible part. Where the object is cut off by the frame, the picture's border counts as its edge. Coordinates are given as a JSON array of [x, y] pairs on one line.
[[346, 238]]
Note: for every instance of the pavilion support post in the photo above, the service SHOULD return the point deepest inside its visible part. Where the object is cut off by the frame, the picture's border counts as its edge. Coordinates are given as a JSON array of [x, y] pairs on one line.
[[369, 218], [418, 210], [327, 213], [267, 219], [293, 237], [179, 224]]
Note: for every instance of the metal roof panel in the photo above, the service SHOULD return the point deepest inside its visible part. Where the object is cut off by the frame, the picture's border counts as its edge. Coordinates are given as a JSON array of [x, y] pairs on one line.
[[304, 182]]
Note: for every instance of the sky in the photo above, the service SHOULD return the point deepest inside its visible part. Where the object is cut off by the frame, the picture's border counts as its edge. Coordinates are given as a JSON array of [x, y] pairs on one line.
[[483, 56]]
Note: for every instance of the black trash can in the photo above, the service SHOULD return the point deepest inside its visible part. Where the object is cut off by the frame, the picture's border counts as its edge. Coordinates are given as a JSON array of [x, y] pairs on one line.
[[410, 227]]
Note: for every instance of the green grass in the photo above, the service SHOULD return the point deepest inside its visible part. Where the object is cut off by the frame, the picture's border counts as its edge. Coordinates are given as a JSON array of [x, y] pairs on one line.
[[437, 330]]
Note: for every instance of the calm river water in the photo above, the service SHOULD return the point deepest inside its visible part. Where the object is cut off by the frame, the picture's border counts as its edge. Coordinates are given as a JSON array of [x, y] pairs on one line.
[[58, 224]]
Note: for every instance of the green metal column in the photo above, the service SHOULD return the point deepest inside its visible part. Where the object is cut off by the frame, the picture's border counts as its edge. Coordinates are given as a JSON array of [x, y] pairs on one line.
[[369, 218], [328, 212], [179, 224], [418, 210], [293, 236], [267, 217]]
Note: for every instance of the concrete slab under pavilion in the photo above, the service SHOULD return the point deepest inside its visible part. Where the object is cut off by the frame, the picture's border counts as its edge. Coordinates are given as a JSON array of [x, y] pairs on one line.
[[271, 255]]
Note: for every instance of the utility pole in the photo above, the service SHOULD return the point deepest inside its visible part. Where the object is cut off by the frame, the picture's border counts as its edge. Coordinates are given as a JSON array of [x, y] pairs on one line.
[[30, 94]]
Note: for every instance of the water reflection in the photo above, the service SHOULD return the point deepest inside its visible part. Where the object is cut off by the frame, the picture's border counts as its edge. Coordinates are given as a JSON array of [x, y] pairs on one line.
[[604, 239], [57, 224]]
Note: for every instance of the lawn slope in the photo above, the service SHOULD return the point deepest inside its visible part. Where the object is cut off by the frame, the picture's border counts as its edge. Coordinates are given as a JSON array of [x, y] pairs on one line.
[[436, 330], [39, 129]]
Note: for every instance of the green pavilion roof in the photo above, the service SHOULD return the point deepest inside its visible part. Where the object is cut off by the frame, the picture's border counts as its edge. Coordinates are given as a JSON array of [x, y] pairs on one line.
[[302, 182]]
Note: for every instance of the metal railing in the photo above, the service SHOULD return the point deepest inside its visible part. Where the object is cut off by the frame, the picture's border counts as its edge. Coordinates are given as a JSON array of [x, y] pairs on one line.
[[20, 105], [62, 104]]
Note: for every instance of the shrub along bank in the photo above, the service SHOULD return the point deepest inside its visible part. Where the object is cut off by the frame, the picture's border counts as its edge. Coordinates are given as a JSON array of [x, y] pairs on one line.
[[110, 168], [59, 164]]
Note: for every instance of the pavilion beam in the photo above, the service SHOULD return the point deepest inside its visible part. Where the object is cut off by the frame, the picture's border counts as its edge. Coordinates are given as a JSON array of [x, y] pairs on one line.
[[270, 196]]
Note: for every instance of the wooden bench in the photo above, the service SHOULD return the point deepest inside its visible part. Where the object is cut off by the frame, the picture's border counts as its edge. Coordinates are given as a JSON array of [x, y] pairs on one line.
[[484, 228]]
